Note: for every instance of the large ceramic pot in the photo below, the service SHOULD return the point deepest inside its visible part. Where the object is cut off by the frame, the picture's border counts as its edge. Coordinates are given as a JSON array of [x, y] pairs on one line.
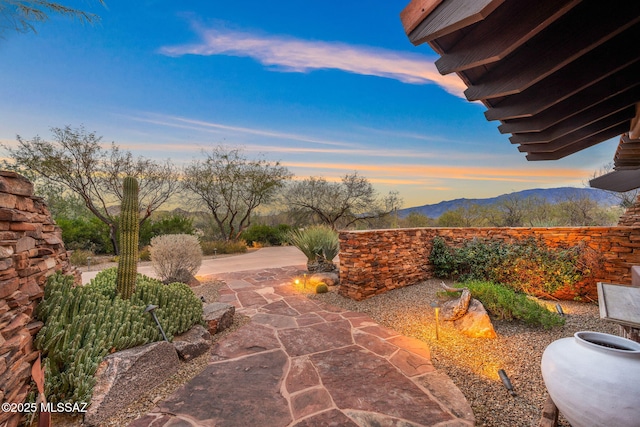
[[594, 379]]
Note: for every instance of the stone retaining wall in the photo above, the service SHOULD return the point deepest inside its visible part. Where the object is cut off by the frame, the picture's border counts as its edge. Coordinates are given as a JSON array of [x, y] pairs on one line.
[[374, 262], [31, 249], [631, 217]]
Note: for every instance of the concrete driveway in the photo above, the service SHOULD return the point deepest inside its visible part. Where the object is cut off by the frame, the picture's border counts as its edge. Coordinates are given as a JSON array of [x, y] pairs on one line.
[[271, 257]]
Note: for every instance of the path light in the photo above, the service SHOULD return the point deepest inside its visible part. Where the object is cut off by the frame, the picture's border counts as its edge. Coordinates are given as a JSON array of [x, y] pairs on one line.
[[436, 307], [88, 263], [151, 309], [305, 281], [559, 309], [506, 381]]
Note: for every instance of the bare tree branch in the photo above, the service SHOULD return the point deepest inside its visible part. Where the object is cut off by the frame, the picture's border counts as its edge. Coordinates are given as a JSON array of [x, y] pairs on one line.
[[20, 15], [76, 160], [338, 204], [231, 186]]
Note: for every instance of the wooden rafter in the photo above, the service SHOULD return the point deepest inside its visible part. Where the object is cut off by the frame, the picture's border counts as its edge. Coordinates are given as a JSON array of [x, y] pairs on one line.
[[590, 116], [551, 51], [626, 86], [560, 75], [494, 40], [451, 16]]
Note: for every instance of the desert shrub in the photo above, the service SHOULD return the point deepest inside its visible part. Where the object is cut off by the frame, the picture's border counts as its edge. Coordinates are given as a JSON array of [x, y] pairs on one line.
[[529, 266], [82, 324], [80, 257], [505, 303], [213, 247], [85, 233], [442, 259], [478, 259], [173, 224], [144, 254], [176, 257], [315, 241], [538, 270], [266, 235]]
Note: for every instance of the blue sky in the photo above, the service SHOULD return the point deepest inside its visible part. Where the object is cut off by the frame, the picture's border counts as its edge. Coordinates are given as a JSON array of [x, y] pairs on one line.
[[327, 88]]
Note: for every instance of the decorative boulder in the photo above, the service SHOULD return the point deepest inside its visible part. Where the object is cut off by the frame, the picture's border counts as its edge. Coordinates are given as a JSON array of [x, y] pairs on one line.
[[328, 278], [476, 322], [123, 376], [456, 309], [218, 316], [321, 265], [193, 343]]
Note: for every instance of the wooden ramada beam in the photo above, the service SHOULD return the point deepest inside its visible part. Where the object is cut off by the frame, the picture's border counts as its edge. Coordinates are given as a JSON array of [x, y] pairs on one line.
[[415, 12]]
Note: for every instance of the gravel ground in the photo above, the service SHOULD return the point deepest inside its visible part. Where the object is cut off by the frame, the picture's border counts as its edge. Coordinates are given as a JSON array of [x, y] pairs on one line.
[[473, 363]]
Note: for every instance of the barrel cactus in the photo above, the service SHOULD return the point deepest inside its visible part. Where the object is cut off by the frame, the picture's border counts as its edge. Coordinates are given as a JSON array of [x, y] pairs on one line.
[[129, 235], [322, 289]]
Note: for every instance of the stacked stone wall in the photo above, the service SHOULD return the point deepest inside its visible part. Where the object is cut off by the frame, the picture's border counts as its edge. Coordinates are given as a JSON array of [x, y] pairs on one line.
[[31, 249], [631, 217], [374, 262]]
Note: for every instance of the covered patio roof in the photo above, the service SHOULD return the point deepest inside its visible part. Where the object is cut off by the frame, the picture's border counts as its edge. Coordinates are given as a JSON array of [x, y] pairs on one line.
[[560, 75]]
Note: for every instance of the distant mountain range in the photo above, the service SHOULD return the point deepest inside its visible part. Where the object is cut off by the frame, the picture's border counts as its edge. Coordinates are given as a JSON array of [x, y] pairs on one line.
[[551, 195]]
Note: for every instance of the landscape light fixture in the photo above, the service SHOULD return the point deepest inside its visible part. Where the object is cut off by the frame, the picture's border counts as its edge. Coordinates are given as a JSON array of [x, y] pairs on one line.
[[559, 309], [305, 281], [506, 381], [151, 309], [436, 307]]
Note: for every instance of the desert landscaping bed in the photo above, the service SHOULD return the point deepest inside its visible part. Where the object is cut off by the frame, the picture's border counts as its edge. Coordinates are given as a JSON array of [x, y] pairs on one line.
[[473, 363], [188, 370]]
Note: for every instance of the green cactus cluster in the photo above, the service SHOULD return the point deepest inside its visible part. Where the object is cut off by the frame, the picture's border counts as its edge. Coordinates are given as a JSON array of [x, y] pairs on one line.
[[129, 228], [322, 289], [82, 324]]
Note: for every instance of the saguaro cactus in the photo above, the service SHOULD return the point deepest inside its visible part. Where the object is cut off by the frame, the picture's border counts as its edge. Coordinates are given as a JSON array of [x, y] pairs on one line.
[[129, 235]]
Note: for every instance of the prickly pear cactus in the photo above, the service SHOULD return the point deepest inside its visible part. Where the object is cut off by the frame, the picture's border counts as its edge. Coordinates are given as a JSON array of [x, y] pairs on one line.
[[129, 235]]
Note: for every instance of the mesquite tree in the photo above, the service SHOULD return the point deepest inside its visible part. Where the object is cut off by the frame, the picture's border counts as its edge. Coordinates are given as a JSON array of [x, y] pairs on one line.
[[76, 160], [129, 235], [231, 187], [338, 204]]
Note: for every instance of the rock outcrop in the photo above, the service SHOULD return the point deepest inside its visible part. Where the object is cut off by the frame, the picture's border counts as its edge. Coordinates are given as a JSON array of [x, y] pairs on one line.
[[193, 343], [218, 316], [123, 376]]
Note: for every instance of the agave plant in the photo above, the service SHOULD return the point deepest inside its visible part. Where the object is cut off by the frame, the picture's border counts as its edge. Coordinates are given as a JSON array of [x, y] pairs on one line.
[[320, 245]]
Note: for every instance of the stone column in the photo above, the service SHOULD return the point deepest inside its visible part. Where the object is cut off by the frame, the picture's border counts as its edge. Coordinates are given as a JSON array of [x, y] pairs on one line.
[[31, 250]]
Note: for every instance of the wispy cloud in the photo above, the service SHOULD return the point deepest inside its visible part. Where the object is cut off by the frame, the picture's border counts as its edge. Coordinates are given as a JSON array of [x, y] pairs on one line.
[[446, 172], [318, 145], [219, 128], [289, 54]]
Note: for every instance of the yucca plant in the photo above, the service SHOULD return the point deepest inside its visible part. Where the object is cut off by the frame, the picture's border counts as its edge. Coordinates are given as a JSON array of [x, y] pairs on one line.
[[319, 243]]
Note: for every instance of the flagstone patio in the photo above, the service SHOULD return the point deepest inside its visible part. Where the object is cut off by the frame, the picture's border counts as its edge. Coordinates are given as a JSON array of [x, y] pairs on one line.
[[304, 363]]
